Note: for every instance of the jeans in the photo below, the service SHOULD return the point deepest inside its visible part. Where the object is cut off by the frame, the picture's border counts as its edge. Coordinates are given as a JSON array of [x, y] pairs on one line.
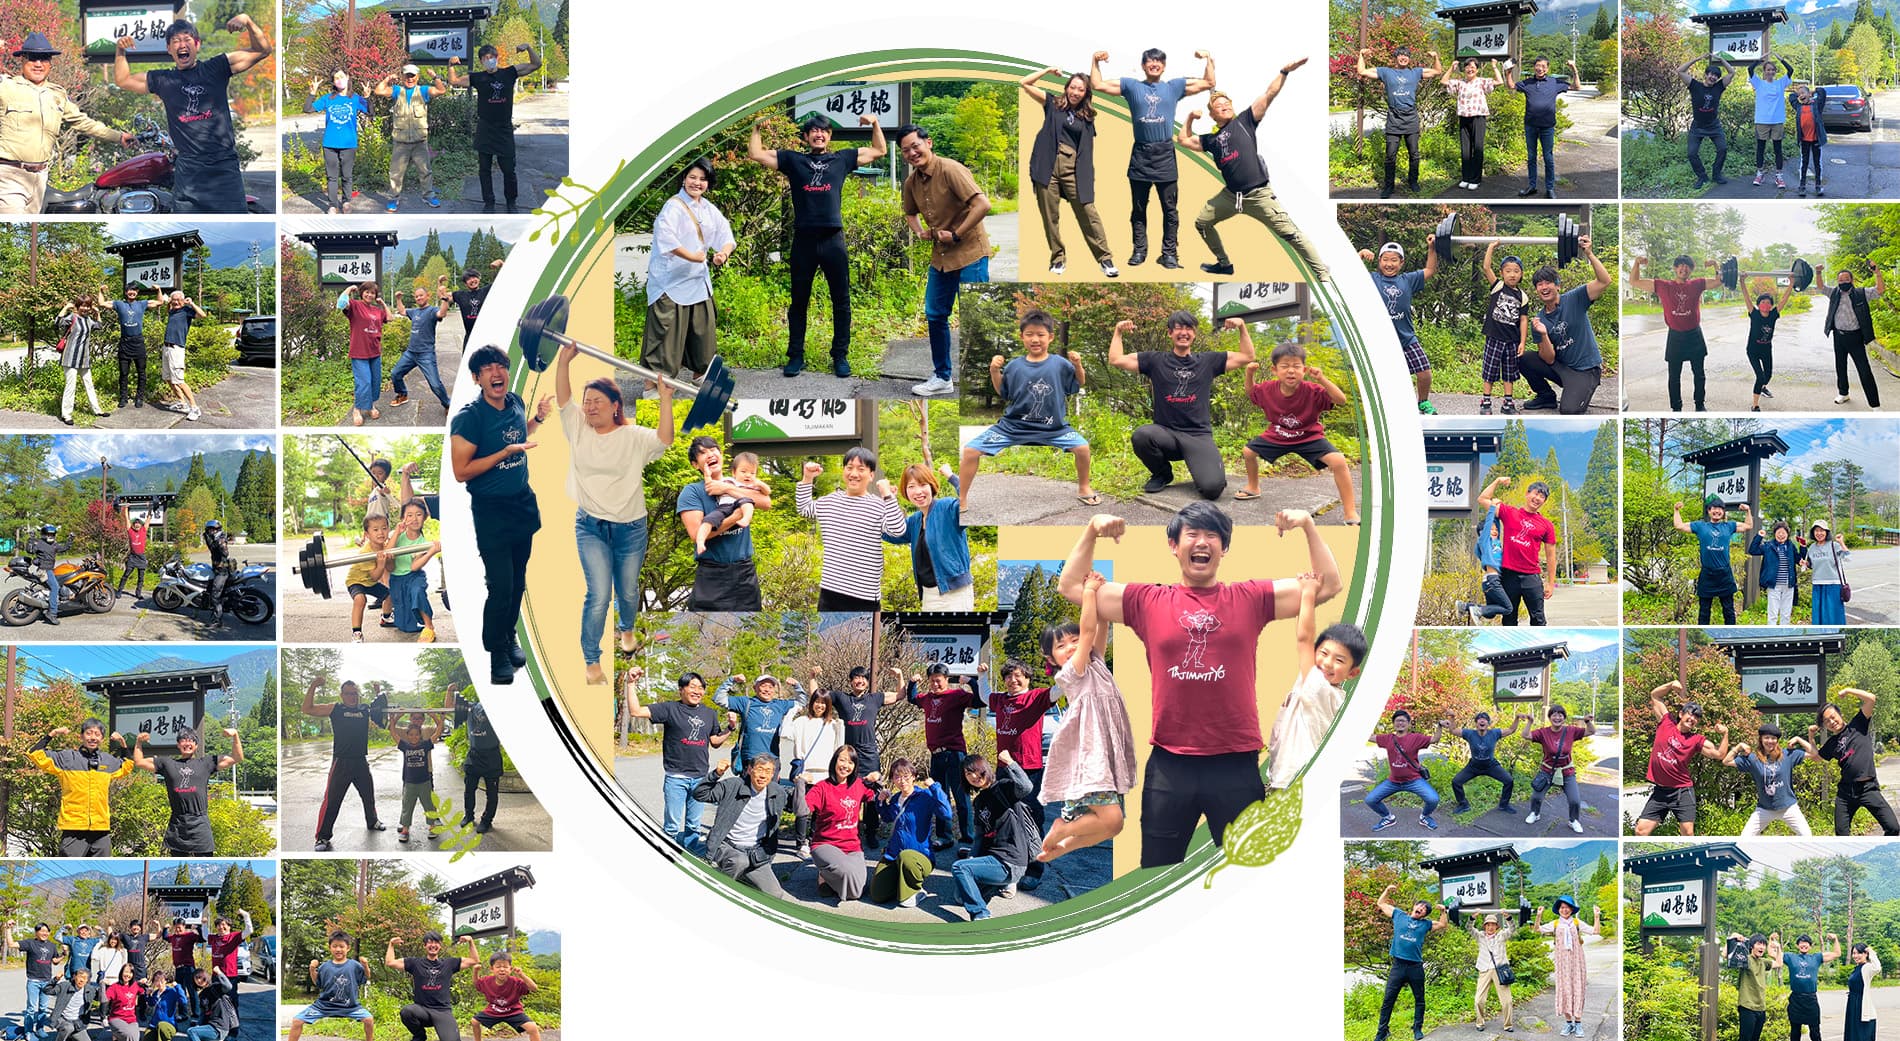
[[367, 373], [203, 1033], [38, 1001], [1375, 799], [52, 594], [1158, 447], [1546, 136], [976, 879], [1405, 973], [1496, 603], [1526, 587], [1696, 137], [940, 300], [424, 360], [611, 554], [946, 768], [681, 819]]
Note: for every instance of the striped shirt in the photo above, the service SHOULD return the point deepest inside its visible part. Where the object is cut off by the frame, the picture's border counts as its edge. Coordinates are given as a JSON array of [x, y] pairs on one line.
[[852, 527]]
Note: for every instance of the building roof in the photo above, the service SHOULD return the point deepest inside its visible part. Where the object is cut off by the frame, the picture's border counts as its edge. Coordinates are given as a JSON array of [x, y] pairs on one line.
[[158, 244], [1537, 655], [163, 681], [1754, 446], [1688, 860], [348, 239], [518, 877], [1490, 856]]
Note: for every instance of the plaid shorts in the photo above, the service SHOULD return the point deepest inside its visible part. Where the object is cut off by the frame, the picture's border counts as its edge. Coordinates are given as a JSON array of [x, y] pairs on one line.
[[1415, 360], [1500, 361]]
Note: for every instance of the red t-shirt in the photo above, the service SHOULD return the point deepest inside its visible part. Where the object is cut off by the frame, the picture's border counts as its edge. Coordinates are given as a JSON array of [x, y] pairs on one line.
[[835, 810], [135, 537], [224, 948], [122, 1000], [1201, 645], [1523, 532], [1670, 754], [1556, 754], [504, 995], [943, 716], [1402, 750], [1019, 724], [184, 948], [1681, 302], [366, 329], [1291, 419]]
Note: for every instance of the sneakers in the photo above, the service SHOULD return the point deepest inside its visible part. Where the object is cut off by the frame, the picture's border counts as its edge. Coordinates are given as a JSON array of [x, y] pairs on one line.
[[391, 207], [402, 834], [1385, 822], [1509, 407], [1464, 184], [1542, 402], [841, 369], [909, 901], [400, 399], [1576, 826], [1532, 819], [1155, 484], [1426, 408], [1009, 892], [1426, 819], [1842, 400], [1484, 405], [1477, 614], [1766, 393], [427, 635], [1528, 192], [433, 200], [794, 366], [1109, 271], [356, 636], [1461, 808], [933, 387], [194, 414], [1758, 176], [1779, 182], [322, 846], [1058, 268], [1221, 268]]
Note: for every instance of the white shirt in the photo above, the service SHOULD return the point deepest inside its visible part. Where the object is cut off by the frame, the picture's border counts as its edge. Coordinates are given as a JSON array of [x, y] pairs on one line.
[[604, 470], [1300, 726], [811, 739], [749, 827], [679, 280]]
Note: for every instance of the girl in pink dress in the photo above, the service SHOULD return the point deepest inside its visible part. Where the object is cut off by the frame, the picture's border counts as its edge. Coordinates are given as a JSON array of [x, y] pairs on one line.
[[1566, 952], [1091, 762]]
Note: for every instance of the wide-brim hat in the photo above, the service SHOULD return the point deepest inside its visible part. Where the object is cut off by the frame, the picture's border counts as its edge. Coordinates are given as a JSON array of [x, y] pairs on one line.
[[1564, 899], [36, 43]]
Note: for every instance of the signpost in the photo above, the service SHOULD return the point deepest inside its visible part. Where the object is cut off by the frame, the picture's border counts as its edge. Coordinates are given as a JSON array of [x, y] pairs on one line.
[[1451, 469], [1732, 470], [154, 263], [103, 22], [1523, 673], [486, 907], [436, 30], [348, 257], [843, 103], [955, 638], [162, 703], [801, 426], [1261, 301], [1783, 673], [182, 900], [1490, 28], [1679, 893], [1472, 879], [1741, 36]]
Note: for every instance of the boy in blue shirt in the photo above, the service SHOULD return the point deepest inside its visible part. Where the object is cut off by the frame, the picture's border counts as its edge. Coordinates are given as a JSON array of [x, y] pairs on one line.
[[1037, 387], [1490, 557], [1396, 287], [341, 109]]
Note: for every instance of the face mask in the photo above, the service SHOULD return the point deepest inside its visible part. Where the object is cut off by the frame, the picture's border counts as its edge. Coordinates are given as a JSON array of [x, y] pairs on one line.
[[491, 64], [342, 83]]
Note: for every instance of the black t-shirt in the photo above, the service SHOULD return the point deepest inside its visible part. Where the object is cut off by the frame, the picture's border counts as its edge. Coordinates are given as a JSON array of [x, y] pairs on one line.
[[1182, 387], [1506, 305], [469, 302], [1237, 153], [490, 430], [1705, 104], [39, 957], [1761, 327], [198, 108], [685, 732], [1854, 747], [494, 109], [1070, 125], [185, 784], [415, 760], [349, 731], [431, 978], [134, 944], [859, 712], [817, 184]]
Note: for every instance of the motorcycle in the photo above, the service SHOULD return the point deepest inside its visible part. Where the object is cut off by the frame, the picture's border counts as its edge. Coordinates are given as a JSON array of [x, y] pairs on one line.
[[141, 184], [85, 583], [247, 596]]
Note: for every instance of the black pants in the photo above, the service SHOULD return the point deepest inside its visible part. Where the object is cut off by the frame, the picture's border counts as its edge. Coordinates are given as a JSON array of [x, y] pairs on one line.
[[1471, 149], [1703, 603], [131, 361], [1761, 156], [841, 603], [344, 775], [1483, 768], [1526, 588], [85, 843], [469, 781], [134, 562], [1578, 385], [1685, 345], [1853, 345], [1573, 799], [1696, 137], [1862, 795], [214, 597], [504, 536], [1159, 447], [1178, 790], [946, 768], [1404, 974], [1496, 602], [1752, 1022], [1804, 1008], [1168, 193], [1762, 360], [509, 187], [725, 587], [1392, 143], [813, 250], [419, 1018]]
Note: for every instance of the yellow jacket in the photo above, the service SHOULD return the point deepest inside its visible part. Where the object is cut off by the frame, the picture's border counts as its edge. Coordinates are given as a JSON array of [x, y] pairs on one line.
[[83, 784], [32, 116]]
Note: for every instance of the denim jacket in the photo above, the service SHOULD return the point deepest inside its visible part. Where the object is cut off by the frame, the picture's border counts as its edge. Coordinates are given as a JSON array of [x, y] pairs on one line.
[[943, 538]]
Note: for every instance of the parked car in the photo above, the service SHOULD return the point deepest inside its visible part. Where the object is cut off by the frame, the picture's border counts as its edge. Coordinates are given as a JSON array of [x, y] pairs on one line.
[[1847, 108], [259, 958], [257, 340]]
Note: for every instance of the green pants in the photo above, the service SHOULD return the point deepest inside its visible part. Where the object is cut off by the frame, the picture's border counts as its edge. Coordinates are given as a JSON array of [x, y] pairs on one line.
[[1262, 205], [1049, 199], [899, 880], [401, 155], [678, 335], [419, 792]]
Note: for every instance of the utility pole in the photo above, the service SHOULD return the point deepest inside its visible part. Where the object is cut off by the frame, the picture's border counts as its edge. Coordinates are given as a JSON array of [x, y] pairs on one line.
[[1359, 88], [1414, 666], [12, 696]]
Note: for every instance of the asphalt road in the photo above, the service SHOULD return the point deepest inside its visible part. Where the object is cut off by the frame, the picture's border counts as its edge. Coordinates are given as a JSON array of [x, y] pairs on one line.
[[1537, 1016], [1595, 604], [521, 823], [308, 618], [139, 619], [1597, 784], [1803, 378], [1860, 164], [1588, 155], [422, 409], [245, 399], [1605, 402]]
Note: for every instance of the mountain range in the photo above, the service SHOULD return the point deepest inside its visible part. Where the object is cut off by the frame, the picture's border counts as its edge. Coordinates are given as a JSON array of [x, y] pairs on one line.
[[247, 671], [152, 477]]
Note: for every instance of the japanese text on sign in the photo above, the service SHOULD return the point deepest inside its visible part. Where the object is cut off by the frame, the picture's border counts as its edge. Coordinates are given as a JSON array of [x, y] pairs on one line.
[[1469, 890], [843, 103], [1731, 484], [482, 916], [144, 24], [957, 650], [787, 419], [1489, 40], [1514, 684], [164, 720], [347, 267], [1792, 685], [1672, 904], [1448, 486], [1742, 45], [153, 272], [438, 44], [1241, 298], [191, 911]]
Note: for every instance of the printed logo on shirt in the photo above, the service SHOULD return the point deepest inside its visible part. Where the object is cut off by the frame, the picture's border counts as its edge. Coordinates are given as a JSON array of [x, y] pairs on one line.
[[1194, 666], [1557, 328], [1392, 307], [694, 725], [1183, 385], [817, 182], [195, 107], [1153, 98], [1039, 410]]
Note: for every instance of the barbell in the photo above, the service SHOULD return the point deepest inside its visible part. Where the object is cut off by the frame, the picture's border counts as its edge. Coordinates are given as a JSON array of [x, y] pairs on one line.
[[543, 332], [313, 566], [1568, 232], [1800, 274]]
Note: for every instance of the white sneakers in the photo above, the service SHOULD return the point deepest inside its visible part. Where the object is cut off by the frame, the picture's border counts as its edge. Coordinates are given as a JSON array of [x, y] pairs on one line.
[[1576, 826], [1058, 268], [1842, 400], [933, 387], [1532, 819]]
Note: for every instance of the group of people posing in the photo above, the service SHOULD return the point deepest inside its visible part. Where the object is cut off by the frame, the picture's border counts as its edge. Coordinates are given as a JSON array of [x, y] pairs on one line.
[[102, 974], [1756, 958], [339, 982], [1406, 771], [81, 346], [362, 304], [1782, 556], [394, 579], [86, 772], [1776, 93]]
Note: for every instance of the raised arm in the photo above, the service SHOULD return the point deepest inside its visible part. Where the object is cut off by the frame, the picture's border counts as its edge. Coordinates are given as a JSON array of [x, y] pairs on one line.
[[385, 87], [1656, 702], [1245, 355], [1206, 82], [756, 151], [1747, 523], [1028, 83], [1093, 631], [874, 151], [1386, 906], [1866, 697], [563, 382], [1431, 258], [1096, 82], [1117, 359], [1308, 626], [1273, 90], [139, 758], [1638, 283], [1186, 137], [258, 45], [1073, 581], [390, 961], [1081, 376], [310, 706], [1485, 267], [1676, 518], [1721, 752], [1364, 68], [1683, 72], [532, 65], [122, 75], [1486, 498], [456, 79], [1286, 591], [1600, 278]]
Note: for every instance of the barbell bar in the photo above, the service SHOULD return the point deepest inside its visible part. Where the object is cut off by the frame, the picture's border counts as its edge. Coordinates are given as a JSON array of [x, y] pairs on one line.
[[313, 566], [543, 332], [1566, 239], [1800, 274]]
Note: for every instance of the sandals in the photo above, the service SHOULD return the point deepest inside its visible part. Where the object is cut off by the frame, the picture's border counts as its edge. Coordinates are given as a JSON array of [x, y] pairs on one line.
[[1243, 495], [1090, 500]]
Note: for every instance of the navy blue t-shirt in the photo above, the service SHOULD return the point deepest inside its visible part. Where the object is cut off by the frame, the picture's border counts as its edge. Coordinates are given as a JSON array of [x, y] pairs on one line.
[[1571, 336], [1804, 971], [422, 328], [1774, 782], [1408, 935], [1152, 106], [178, 325], [131, 316], [734, 547], [1397, 293], [1484, 743], [1038, 394], [1540, 100], [491, 429]]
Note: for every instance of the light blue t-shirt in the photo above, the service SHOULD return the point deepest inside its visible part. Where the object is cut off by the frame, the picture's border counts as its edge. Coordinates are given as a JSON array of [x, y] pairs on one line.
[[339, 122], [131, 316], [1490, 553], [1152, 106], [1771, 98], [1570, 333], [1408, 935], [1804, 971], [1397, 293]]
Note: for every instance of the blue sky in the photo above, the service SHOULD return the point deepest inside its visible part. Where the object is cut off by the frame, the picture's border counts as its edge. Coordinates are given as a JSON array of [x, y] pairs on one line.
[[1571, 437], [104, 660], [162, 870], [215, 233], [1490, 641], [75, 453]]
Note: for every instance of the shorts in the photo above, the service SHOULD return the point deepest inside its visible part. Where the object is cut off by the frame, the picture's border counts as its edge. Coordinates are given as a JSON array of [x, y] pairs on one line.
[[171, 363], [517, 1021], [1314, 451], [311, 1014], [1500, 361], [1770, 131], [1664, 801], [991, 441], [379, 590], [1073, 808], [1415, 360]]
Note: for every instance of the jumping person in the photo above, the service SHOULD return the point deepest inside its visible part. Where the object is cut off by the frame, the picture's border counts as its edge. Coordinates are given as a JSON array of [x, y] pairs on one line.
[[1396, 287], [1293, 401], [1488, 548], [690, 239], [1570, 974], [1201, 638], [1400, 81], [1091, 761], [1008, 830], [409, 131], [430, 979], [1772, 770], [1762, 316], [1810, 134], [689, 730], [1826, 560], [339, 984], [1472, 98], [1234, 147], [1507, 327], [187, 777], [76, 321], [1037, 387], [363, 305], [815, 177], [494, 88], [1558, 742], [38, 112], [1705, 114], [1325, 661], [131, 349], [944, 707], [350, 721], [1671, 751], [171, 354], [1410, 929], [1062, 166], [420, 351], [1851, 743], [1851, 325], [488, 442], [1681, 300], [1715, 533], [1804, 979], [1527, 535], [944, 194], [1567, 354], [724, 576], [505, 987], [1482, 739], [196, 94], [1771, 111], [1541, 92], [342, 109], [1151, 162], [939, 540], [1405, 773], [1181, 389], [747, 806], [1781, 558], [85, 776], [852, 524]]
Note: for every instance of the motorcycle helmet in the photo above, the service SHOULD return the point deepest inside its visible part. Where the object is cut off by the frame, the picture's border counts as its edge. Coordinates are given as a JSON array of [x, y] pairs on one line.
[[49, 530], [214, 525]]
